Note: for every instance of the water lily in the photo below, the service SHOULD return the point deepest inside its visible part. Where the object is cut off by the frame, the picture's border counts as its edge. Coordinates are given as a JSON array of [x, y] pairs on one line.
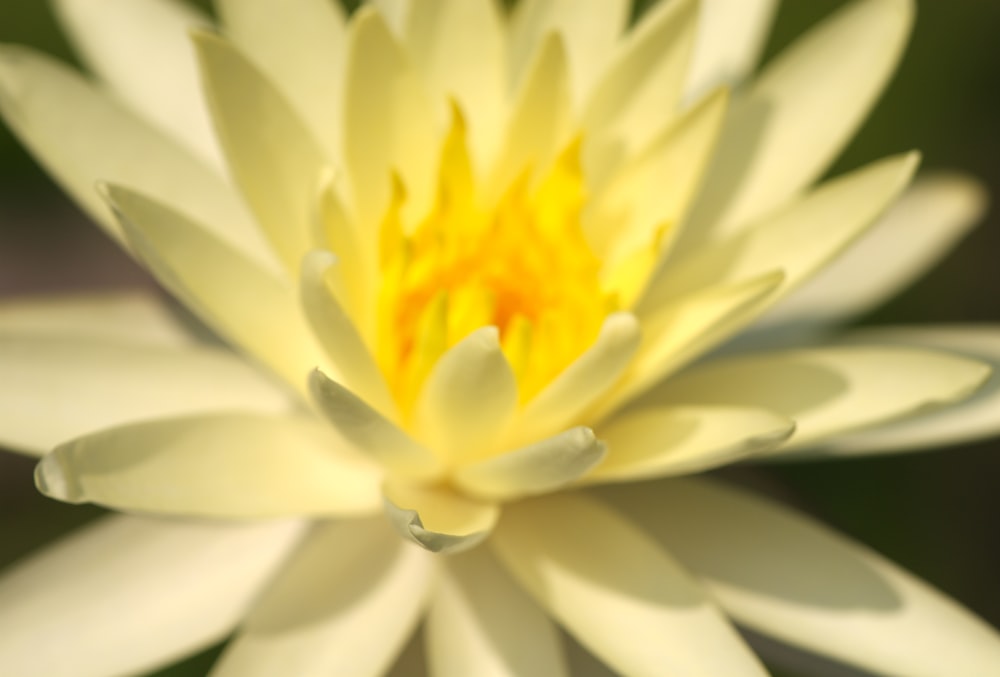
[[473, 268]]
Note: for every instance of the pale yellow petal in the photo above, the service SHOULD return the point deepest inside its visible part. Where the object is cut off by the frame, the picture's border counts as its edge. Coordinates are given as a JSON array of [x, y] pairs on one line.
[[126, 595], [617, 591], [781, 574], [437, 518]]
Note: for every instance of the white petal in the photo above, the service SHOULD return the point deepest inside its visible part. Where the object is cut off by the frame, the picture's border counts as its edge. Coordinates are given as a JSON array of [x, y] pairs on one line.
[[974, 418], [82, 136], [468, 398], [830, 390], [731, 36], [141, 49], [782, 574], [273, 157], [125, 595], [217, 465], [538, 468], [664, 441], [481, 623], [344, 604], [616, 590], [437, 518], [795, 118], [55, 388], [299, 45]]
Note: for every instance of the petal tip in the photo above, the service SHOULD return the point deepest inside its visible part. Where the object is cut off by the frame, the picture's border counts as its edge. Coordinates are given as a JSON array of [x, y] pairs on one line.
[[52, 480]]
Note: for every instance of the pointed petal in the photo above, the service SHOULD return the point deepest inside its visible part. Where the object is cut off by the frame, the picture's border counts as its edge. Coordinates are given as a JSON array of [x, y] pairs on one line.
[[438, 519], [218, 466], [784, 575], [481, 623], [344, 604], [140, 48], [585, 564], [274, 159], [299, 45], [71, 610], [664, 441], [59, 387]]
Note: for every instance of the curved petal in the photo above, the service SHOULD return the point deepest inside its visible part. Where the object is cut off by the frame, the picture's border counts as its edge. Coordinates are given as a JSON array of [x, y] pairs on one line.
[[344, 604], [438, 519], [71, 610], [299, 45], [140, 48], [219, 466], [784, 575], [481, 623], [586, 564], [59, 387]]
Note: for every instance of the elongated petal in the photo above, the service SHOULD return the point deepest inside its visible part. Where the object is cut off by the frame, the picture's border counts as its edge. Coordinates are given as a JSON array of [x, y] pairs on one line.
[[586, 564], [438, 519], [538, 468], [272, 155], [140, 48], [731, 37], [220, 465], [665, 441], [71, 610], [344, 604], [40, 99], [784, 575], [59, 387], [481, 623], [299, 45], [243, 301], [469, 397], [830, 390], [800, 112], [974, 418], [370, 432]]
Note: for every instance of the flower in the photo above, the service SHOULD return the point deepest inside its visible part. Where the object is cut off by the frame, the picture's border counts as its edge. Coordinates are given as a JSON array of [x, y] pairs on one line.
[[485, 262]]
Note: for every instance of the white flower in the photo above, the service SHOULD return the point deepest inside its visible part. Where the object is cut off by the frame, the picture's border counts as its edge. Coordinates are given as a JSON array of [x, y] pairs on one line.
[[482, 255]]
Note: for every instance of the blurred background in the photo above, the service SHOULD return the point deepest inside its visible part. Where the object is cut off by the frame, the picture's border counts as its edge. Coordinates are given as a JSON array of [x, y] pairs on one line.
[[934, 512]]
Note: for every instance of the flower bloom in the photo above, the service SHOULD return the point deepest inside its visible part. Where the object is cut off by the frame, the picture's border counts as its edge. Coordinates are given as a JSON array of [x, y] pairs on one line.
[[476, 264]]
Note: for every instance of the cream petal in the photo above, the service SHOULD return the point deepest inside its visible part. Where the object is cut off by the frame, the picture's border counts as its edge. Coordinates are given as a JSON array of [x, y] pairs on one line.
[[72, 609], [59, 387], [140, 48], [338, 335], [538, 468], [920, 229], [394, 12], [344, 604], [273, 157], [41, 99], [972, 419], [481, 623], [215, 465], [244, 302], [370, 432], [731, 37], [791, 123], [830, 390], [665, 441], [438, 519], [468, 399], [299, 45], [585, 564], [784, 575]]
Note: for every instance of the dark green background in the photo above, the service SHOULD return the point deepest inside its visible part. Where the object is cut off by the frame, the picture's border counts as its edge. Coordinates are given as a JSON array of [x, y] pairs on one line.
[[936, 513]]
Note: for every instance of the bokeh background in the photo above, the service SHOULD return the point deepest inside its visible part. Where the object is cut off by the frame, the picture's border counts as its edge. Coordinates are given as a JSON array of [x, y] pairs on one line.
[[935, 512]]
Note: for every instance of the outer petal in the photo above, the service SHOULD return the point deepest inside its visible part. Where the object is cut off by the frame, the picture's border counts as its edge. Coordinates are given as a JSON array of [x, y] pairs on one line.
[[59, 387], [344, 604], [585, 564], [786, 576], [223, 465], [481, 623], [437, 518], [71, 610], [141, 49]]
